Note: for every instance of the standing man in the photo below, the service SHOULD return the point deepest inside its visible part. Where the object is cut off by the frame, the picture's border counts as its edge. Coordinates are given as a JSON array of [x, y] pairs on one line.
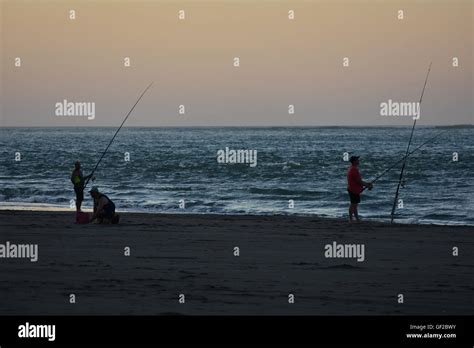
[[355, 186], [78, 180]]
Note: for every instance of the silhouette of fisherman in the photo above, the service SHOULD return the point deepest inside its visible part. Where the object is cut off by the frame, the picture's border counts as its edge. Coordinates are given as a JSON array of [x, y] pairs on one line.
[[355, 186], [78, 180]]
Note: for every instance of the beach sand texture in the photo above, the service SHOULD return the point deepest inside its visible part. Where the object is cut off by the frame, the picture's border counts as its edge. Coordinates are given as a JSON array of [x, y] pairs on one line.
[[194, 255]]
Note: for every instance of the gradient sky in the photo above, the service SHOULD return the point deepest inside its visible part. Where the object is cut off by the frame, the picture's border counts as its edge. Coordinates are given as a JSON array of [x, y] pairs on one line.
[[282, 62]]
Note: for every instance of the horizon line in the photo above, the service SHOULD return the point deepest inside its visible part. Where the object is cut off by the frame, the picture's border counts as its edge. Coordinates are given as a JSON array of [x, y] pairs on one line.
[[254, 126]]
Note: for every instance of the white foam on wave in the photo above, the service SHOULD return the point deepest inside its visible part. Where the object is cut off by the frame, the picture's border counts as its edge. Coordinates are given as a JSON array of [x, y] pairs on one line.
[[34, 206]]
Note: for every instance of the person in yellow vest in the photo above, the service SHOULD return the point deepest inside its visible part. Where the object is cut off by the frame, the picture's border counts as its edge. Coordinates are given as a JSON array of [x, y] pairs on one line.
[[78, 180]]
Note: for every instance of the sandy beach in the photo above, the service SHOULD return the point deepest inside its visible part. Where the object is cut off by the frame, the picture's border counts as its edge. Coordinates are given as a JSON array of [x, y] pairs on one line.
[[194, 255]]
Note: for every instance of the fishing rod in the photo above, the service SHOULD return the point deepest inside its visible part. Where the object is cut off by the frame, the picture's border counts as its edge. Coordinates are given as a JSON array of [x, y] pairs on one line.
[[394, 206], [118, 130], [409, 154]]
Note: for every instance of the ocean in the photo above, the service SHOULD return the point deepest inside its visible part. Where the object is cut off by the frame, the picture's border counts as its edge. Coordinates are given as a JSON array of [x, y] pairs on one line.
[[306, 165]]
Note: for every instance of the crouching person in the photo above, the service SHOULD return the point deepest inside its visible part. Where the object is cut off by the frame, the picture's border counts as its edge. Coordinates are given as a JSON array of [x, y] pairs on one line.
[[104, 208]]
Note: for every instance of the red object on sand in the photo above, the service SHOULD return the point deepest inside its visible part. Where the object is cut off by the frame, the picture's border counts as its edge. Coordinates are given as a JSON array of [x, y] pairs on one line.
[[82, 218]]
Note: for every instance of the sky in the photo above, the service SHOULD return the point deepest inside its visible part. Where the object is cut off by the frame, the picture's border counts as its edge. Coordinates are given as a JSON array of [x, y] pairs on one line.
[[191, 62]]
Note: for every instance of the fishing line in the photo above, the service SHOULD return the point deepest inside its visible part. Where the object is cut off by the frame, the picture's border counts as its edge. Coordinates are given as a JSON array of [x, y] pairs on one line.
[[409, 154], [118, 130]]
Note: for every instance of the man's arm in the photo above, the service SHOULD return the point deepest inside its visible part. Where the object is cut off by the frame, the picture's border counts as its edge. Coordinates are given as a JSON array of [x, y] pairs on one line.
[[96, 211], [354, 176], [100, 206], [363, 183], [90, 176]]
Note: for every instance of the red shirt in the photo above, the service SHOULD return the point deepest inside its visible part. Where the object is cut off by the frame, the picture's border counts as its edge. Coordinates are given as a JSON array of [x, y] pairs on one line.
[[353, 179]]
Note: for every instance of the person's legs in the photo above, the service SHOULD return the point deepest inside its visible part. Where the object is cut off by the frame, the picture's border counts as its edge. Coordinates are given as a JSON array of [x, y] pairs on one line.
[[355, 200], [356, 207], [351, 212], [356, 212], [79, 197], [108, 214], [100, 218], [351, 206]]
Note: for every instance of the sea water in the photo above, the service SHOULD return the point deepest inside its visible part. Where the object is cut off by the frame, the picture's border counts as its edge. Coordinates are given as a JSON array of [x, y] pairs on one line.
[[156, 169]]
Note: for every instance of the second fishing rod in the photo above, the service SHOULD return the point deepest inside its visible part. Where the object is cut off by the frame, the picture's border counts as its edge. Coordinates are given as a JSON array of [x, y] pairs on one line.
[[395, 200], [407, 155]]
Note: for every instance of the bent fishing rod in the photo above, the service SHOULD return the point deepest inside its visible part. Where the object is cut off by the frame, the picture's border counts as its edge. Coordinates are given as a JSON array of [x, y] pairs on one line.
[[394, 206], [118, 130], [409, 154]]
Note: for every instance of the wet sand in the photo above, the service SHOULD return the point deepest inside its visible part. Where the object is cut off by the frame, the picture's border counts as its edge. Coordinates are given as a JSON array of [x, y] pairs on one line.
[[194, 255]]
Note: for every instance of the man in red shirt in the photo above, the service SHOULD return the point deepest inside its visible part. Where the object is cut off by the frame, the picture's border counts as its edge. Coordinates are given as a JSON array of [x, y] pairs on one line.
[[355, 186]]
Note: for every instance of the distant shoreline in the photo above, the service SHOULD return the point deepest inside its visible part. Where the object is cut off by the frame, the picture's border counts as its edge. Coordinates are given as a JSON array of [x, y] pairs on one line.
[[246, 127], [50, 208]]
